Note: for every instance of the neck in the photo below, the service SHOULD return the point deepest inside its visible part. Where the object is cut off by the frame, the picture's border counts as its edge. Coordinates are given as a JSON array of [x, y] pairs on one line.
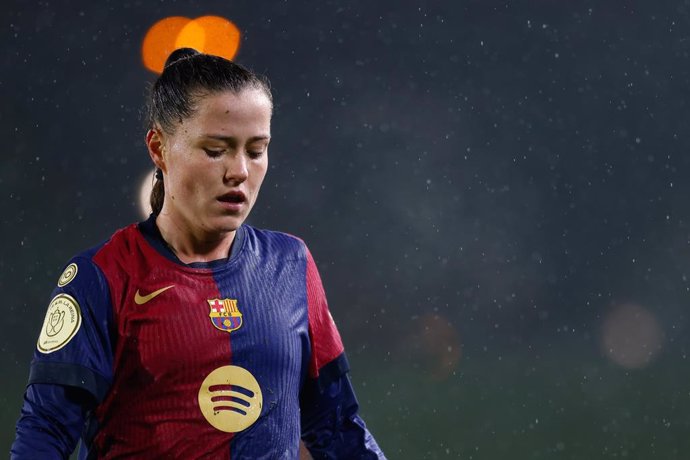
[[194, 245]]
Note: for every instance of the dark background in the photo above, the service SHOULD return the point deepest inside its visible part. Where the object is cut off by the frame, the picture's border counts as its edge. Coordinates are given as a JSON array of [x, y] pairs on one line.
[[495, 193]]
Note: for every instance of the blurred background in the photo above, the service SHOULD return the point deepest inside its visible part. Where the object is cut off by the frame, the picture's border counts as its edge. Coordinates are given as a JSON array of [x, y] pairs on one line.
[[494, 192]]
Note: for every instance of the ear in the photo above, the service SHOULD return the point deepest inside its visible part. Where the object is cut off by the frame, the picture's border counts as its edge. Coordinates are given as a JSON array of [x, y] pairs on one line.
[[155, 145]]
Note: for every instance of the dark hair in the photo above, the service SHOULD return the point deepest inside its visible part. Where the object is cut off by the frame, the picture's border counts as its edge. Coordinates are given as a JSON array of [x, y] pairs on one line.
[[187, 77]]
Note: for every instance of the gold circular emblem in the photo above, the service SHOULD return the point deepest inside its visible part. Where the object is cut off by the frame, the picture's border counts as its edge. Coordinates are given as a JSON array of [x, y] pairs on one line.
[[62, 322], [68, 275], [230, 399]]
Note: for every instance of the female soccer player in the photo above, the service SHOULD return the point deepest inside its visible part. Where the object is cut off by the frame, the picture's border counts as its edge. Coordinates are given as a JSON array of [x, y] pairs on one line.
[[193, 335]]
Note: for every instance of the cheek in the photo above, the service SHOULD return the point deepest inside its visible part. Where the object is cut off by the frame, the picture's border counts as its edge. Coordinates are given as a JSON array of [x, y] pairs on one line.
[[258, 175], [189, 181]]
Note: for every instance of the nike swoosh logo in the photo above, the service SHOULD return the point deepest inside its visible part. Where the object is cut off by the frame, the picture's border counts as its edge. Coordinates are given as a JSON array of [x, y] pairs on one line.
[[142, 299]]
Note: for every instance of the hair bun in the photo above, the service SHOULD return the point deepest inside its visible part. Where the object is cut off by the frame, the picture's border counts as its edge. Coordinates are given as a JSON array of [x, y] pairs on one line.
[[179, 54]]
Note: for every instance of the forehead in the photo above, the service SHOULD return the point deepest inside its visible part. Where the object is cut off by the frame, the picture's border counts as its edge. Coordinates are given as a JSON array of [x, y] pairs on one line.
[[227, 111]]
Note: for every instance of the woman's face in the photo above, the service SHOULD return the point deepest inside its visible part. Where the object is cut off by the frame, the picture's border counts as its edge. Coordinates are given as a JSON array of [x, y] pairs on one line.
[[215, 161]]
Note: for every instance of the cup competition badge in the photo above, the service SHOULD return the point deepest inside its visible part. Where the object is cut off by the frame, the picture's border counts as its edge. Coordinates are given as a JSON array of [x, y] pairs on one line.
[[224, 314]]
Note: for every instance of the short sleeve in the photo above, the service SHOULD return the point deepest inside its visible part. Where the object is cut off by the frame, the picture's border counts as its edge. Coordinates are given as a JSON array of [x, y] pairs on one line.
[[327, 357], [74, 345]]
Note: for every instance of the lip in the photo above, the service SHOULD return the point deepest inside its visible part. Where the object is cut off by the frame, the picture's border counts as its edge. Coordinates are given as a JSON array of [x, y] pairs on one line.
[[233, 200]]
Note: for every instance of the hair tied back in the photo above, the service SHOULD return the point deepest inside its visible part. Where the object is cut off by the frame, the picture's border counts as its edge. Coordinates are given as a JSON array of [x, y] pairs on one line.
[[180, 54]]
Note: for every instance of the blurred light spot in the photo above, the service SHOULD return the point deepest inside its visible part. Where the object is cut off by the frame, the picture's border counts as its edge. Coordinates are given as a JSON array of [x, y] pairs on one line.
[[631, 336], [207, 34], [220, 36], [441, 345], [160, 40], [192, 35], [145, 193]]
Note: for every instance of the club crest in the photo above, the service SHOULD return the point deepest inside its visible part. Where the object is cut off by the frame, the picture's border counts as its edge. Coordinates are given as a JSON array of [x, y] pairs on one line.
[[224, 314]]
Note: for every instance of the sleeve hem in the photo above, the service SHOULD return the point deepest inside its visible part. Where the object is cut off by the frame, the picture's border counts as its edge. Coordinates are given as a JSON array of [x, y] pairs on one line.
[[70, 375], [332, 371]]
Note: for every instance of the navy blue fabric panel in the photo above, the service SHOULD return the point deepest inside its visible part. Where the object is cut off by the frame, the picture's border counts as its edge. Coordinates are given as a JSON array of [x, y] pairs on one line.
[[87, 450], [91, 347], [51, 422], [273, 342], [332, 372], [331, 425]]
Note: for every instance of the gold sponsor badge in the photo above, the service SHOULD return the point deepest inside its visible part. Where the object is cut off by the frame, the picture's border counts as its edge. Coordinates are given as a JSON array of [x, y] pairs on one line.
[[60, 325], [230, 399], [68, 275]]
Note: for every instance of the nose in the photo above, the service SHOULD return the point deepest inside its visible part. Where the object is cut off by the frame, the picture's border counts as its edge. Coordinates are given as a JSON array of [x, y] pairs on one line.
[[236, 170]]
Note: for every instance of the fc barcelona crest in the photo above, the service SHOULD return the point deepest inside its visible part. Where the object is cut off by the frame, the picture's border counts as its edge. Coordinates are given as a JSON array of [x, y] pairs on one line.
[[224, 314]]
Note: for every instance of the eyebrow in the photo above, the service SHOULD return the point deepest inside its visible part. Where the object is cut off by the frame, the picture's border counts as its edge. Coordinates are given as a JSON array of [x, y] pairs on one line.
[[232, 140]]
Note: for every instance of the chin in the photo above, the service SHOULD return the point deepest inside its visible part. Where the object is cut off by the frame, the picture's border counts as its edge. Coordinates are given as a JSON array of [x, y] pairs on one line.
[[227, 224]]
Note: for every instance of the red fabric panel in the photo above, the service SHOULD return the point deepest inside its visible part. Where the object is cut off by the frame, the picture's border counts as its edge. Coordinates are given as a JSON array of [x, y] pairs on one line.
[[325, 340], [164, 349]]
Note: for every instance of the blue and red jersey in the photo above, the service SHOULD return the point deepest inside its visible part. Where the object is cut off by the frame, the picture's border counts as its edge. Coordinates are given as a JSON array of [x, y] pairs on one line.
[[143, 356]]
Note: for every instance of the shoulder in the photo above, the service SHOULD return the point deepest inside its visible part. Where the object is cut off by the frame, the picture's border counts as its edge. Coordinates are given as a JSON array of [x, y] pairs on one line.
[[270, 242], [85, 265], [121, 240]]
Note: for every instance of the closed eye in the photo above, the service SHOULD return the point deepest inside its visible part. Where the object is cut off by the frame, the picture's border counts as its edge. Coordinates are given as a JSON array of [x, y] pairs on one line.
[[213, 153]]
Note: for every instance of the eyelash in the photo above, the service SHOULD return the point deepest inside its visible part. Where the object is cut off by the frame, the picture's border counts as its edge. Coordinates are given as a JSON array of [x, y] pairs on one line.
[[218, 153], [213, 153]]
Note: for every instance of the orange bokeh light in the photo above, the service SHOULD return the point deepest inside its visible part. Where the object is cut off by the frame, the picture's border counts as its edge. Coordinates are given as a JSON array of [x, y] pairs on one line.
[[207, 34]]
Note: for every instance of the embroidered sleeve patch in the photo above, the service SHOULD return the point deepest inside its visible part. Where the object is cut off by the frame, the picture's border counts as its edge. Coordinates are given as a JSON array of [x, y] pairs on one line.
[[62, 322]]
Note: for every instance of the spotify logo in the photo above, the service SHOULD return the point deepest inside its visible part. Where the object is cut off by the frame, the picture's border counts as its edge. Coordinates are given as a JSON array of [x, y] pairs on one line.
[[230, 399]]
